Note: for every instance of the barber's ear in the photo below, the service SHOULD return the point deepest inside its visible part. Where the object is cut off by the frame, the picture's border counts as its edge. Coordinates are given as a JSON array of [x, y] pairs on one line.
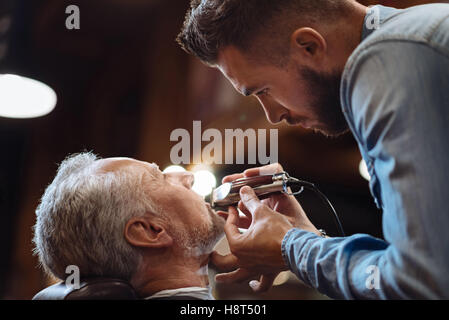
[[308, 43], [142, 232]]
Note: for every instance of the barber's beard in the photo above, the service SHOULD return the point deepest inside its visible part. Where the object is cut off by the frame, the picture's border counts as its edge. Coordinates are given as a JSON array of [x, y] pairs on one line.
[[324, 90]]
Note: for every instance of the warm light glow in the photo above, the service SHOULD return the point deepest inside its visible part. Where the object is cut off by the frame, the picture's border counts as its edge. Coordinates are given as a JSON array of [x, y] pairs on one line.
[[363, 169], [174, 169], [200, 167], [205, 181], [22, 97]]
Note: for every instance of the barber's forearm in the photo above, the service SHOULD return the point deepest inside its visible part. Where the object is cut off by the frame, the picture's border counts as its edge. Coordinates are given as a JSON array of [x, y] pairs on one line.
[[358, 267], [343, 268]]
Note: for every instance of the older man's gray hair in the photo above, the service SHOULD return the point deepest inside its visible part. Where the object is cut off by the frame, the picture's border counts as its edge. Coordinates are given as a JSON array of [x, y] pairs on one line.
[[81, 219]]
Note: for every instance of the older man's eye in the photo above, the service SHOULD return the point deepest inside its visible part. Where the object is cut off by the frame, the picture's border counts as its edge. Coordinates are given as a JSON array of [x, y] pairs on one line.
[[262, 93]]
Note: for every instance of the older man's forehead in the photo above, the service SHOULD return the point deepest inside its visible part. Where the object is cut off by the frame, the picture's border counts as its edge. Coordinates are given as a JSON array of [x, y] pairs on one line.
[[117, 163]]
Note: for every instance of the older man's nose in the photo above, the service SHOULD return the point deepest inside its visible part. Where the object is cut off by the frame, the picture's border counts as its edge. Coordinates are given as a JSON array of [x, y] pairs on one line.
[[186, 179], [189, 179]]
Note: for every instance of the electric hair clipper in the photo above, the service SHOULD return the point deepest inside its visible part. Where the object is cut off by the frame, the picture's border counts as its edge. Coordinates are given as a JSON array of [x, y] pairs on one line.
[[228, 194], [264, 186]]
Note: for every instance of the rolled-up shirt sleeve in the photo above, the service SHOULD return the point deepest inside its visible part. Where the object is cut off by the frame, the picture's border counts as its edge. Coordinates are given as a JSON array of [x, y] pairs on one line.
[[396, 99], [327, 263]]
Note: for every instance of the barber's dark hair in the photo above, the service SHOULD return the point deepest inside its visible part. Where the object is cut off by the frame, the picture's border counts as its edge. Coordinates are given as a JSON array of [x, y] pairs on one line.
[[212, 25]]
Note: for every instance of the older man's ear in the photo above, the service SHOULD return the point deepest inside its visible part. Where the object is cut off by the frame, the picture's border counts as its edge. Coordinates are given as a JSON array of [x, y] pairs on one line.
[[142, 232]]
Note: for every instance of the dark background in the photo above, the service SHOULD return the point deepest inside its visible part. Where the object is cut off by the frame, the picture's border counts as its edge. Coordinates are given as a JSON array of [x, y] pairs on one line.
[[123, 85]]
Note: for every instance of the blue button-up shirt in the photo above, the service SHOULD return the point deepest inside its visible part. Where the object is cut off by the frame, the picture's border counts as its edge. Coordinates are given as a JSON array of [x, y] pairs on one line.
[[395, 97]]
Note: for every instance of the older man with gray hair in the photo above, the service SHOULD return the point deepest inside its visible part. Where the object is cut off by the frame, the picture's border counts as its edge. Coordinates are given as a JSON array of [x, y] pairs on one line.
[[123, 218]]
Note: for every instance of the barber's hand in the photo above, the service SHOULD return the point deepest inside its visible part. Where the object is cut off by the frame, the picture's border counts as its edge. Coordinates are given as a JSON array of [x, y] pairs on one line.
[[282, 203], [257, 252]]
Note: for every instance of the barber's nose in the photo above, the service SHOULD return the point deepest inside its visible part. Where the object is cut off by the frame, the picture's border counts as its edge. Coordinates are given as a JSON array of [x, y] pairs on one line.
[[273, 110]]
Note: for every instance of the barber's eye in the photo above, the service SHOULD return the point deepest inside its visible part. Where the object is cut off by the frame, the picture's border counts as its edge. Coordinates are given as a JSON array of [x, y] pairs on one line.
[[262, 93]]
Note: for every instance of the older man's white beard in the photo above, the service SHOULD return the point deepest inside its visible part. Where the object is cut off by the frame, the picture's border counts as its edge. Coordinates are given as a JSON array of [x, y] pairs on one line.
[[201, 240]]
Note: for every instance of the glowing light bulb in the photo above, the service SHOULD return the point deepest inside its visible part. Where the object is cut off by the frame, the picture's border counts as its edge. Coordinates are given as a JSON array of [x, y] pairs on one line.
[[205, 181], [23, 98]]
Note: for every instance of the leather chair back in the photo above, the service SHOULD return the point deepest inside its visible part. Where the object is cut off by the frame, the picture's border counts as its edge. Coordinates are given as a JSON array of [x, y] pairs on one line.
[[90, 289]]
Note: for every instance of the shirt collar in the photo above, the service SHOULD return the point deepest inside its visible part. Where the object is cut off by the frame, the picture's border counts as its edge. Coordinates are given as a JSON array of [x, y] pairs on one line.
[[375, 17], [194, 292]]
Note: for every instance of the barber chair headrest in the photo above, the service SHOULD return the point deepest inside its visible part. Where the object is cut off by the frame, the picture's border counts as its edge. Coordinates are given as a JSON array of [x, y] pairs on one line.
[[90, 289]]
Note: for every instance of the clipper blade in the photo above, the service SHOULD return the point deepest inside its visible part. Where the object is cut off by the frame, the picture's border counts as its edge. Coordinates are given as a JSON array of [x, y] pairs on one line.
[[219, 194]]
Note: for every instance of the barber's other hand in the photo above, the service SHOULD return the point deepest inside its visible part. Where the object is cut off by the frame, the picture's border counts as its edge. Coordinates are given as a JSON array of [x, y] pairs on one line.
[[257, 252]]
